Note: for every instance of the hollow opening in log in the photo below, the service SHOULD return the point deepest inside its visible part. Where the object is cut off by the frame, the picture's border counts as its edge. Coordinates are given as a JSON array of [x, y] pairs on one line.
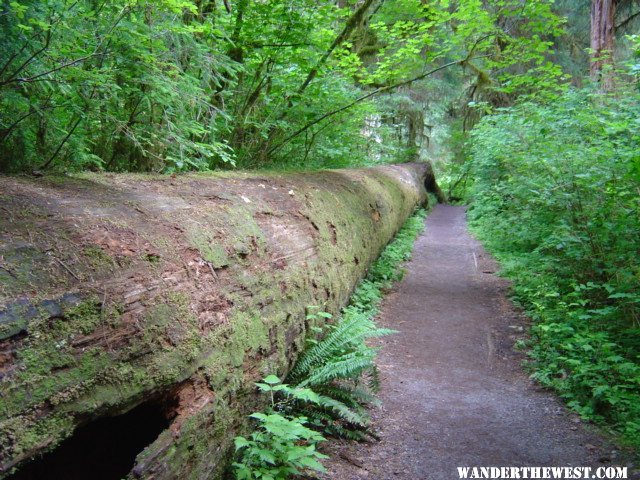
[[102, 450]]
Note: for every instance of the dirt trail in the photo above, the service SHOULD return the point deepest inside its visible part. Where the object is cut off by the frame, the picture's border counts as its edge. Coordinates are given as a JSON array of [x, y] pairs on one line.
[[453, 391]]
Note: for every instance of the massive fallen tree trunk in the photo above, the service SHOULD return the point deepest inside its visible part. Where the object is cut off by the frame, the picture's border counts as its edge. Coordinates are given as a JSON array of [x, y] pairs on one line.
[[126, 290]]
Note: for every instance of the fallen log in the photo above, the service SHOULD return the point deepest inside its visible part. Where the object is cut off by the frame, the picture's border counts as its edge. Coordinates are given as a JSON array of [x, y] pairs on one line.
[[173, 295]]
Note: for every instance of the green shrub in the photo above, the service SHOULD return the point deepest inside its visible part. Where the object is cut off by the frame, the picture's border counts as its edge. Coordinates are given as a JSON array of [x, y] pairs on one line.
[[556, 199], [282, 445]]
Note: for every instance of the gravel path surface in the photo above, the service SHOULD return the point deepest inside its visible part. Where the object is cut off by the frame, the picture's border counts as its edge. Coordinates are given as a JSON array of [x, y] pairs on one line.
[[453, 390]]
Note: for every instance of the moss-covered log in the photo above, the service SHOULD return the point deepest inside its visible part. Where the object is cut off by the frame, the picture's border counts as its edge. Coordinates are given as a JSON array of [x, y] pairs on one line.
[[117, 289]]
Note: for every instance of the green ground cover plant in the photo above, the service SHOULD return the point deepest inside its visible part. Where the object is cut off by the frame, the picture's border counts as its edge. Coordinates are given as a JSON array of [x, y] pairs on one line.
[[282, 445], [556, 199]]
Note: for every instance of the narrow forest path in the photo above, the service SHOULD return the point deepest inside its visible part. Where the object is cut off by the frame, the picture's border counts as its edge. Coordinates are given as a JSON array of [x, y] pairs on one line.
[[453, 391]]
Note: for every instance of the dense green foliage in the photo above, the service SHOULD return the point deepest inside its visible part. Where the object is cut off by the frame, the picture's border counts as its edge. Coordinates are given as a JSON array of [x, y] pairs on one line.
[[556, 197], [118, 85], [170, 85], [282, 445]]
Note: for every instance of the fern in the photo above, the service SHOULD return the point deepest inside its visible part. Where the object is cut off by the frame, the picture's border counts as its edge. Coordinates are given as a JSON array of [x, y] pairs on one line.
[[347, 336], [353, 415], [353, 396], [347, 366], [340, 366], [333, 368]]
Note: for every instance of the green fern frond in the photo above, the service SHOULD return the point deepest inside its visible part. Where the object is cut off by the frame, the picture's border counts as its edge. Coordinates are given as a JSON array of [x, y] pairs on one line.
[[349, 334], [356, 417], [347, 366], [351, 395], [341, 393], [340, 366]]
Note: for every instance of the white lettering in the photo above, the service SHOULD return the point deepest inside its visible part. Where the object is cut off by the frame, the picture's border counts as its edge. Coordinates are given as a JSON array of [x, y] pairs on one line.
[[463, 472], [518, 473]]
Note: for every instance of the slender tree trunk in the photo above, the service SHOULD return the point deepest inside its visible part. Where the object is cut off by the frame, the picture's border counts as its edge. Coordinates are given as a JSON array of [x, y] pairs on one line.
[[602, 41], [415, 129], [235, 51], [352, 23]]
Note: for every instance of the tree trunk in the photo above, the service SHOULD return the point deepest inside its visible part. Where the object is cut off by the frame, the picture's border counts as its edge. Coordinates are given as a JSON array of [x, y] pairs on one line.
[[122, 294], [602, 41]]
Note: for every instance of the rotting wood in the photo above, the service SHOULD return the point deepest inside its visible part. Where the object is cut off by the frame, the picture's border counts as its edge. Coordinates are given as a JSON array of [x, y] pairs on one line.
[[196, 300]]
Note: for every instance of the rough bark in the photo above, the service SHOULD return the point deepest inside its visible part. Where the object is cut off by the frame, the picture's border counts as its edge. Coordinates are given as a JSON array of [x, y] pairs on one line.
[[115, 289], [602, 41]]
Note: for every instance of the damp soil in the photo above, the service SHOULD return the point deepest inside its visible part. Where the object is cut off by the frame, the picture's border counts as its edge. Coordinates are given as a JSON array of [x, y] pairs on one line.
[[454, 392]]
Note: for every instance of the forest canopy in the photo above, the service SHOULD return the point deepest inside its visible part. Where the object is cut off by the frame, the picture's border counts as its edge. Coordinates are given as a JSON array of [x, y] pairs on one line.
[[173, 85]]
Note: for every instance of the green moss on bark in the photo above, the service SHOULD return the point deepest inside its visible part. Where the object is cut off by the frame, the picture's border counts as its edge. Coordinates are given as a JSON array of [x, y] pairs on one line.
[[149, 328]]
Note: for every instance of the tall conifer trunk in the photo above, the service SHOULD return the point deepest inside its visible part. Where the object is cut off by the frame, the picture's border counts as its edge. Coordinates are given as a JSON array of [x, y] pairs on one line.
[[602, 41]]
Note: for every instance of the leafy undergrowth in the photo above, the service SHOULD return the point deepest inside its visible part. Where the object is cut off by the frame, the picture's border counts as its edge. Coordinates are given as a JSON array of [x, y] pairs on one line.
[[556, 200], [334, 380]]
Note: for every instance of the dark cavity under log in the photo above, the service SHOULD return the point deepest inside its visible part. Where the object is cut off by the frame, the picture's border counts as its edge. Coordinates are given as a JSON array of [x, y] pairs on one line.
[[105, 449]]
